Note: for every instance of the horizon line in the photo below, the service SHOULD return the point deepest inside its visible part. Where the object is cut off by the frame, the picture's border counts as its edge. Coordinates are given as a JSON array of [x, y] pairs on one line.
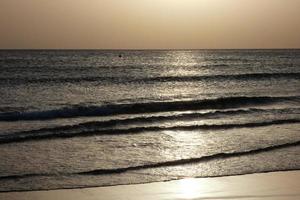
[[138, 49]]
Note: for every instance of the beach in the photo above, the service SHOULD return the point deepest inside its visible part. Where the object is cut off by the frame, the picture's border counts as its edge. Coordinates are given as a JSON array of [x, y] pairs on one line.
[[274, 185], [150, 100]]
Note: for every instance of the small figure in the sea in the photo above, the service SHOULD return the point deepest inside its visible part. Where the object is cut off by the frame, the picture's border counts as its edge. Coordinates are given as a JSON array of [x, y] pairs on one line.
[[120, 56]]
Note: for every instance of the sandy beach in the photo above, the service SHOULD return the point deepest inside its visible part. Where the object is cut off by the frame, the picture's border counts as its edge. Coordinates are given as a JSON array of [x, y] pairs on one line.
[[275, 186]]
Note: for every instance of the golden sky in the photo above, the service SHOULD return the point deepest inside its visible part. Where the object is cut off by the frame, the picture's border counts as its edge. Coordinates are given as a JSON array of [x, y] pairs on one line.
[[149, 24]]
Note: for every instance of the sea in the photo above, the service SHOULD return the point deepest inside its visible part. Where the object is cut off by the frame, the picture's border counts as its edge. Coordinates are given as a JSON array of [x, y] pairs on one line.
[[86, 118]]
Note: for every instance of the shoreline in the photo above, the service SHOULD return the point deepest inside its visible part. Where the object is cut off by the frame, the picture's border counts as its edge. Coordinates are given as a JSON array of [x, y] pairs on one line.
[[272, 185]]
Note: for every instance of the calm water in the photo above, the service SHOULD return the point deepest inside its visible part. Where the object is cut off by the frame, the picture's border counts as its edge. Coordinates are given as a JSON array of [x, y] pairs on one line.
[[72, 119]]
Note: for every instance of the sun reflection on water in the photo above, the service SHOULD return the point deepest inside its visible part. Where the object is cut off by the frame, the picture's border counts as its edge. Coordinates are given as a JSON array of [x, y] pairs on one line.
[[189, 188]]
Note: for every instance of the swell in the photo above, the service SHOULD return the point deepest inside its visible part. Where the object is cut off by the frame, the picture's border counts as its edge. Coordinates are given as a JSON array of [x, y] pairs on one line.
[[85, 132], [160, 118], [253, 76], [171, 163], [128, 79], [147, 107]]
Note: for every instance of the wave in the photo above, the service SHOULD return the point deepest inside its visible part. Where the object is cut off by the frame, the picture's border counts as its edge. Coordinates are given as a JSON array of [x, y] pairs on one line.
[[147, 107], [83, 131], [253, 76], [180, 162], [161, 118], [128, 79], [222, 155]]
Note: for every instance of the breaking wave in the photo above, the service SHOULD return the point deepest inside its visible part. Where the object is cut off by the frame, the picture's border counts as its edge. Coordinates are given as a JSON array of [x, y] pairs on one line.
[[147, 107], [84, 131]]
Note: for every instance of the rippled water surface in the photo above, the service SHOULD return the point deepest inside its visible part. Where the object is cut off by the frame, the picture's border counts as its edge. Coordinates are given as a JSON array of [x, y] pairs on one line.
[[72, 119]]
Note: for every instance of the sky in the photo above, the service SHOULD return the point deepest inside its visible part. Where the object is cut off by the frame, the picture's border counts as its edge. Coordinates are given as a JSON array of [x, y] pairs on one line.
[[149, 24]]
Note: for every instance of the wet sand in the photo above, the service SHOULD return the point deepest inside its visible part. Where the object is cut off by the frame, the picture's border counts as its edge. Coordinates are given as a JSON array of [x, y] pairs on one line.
[[275, 186]]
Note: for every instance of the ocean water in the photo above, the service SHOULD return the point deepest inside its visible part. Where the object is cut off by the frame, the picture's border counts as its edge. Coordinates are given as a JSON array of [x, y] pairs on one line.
[[72, 119]]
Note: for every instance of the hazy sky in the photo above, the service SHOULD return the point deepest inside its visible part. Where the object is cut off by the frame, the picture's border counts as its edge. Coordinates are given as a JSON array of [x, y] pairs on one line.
[[126, 24]]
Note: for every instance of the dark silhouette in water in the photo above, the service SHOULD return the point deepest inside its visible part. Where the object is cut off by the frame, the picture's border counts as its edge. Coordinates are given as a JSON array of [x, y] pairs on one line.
[[120, 56]]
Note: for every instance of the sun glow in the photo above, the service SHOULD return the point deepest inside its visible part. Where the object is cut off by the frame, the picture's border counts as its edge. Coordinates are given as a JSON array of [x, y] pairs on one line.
[[149, 24]]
